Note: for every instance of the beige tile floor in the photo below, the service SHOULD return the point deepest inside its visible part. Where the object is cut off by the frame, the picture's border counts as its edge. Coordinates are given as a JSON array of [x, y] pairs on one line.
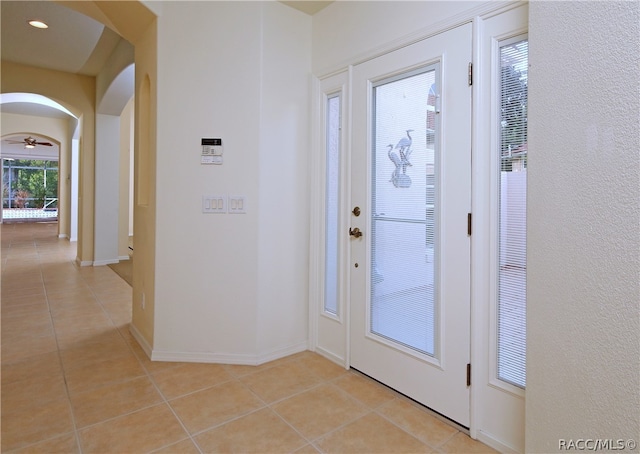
[[75, 381]]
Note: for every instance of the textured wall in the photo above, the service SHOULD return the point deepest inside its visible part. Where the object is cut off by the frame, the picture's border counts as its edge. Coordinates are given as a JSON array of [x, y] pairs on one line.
[[584, 223], [232, 287]]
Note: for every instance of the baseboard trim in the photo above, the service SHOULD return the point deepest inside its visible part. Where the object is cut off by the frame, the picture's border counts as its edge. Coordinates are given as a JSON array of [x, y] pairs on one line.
[[63, 236], [203, 357], [123, 257], [494, 443], [283, 352], [332, 357], [84, 262], [105, 262], [227, 358], [140, 339]]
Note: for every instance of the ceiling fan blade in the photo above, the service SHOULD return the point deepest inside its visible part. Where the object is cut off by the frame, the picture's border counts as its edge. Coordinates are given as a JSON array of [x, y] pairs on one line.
[[28, 141]]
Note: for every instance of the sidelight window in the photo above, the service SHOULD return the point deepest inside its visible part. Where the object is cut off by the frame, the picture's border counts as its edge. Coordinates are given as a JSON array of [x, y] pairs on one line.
[[512, 258]]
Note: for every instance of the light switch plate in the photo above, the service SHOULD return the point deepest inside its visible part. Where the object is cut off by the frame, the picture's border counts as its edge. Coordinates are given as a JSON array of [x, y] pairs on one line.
[[214, 204], [237, 204]]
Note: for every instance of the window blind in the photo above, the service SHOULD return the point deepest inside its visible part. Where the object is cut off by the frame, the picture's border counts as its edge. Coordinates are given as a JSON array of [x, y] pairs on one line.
[[511, 348]]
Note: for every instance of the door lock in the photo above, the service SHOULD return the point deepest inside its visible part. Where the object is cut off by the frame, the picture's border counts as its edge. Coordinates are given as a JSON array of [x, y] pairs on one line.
[[356, 211], [355, 232]]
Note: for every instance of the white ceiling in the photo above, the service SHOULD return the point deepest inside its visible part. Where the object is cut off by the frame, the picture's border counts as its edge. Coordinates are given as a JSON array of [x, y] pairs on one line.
[[73, 42], [308, 6]]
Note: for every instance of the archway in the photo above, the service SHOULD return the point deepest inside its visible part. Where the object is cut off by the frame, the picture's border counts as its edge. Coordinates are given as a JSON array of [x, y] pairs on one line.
[[38, 133]]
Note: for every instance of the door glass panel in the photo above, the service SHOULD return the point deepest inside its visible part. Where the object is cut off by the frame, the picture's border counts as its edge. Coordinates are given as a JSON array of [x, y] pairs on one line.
[[332, 204], [512, 214], [403, 303]]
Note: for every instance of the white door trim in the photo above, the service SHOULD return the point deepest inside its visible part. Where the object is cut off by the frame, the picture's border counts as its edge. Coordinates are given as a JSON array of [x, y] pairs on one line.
[[479, 15], [497, 408], [328, 333]]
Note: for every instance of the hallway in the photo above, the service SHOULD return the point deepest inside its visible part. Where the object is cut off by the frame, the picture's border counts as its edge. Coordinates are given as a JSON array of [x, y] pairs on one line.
[[75, 381]]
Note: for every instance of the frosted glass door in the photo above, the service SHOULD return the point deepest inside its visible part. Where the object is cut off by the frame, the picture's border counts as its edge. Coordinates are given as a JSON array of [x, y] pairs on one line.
[[409, 311]]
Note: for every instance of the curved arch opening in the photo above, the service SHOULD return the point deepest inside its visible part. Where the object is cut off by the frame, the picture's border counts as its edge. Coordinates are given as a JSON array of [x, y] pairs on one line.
[[35, 100], [38, 160], [119, 92]]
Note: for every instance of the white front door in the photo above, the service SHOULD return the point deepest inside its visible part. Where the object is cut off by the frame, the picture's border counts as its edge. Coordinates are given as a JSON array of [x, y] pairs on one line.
[[410, 254]]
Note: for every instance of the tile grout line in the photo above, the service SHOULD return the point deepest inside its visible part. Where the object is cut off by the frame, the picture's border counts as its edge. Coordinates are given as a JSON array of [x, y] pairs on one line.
[[265, 405], [456, 427], [77, 271], [313, 442], [269, 406], [165, 401], [173, 412], [414, 404], [47, 259], [235, 378], [148, 375], [322, 382], [391, 421], [62, 368]]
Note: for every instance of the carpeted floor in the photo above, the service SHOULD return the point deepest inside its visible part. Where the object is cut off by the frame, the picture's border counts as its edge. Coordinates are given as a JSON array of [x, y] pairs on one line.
[[124, 269]]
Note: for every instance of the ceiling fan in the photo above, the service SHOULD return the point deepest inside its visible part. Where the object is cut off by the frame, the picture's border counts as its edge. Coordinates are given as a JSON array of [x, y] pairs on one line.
[[30, 142]]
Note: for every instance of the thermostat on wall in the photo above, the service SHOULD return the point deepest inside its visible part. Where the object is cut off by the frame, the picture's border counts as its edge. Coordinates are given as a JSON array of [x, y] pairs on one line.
[[211, 151]]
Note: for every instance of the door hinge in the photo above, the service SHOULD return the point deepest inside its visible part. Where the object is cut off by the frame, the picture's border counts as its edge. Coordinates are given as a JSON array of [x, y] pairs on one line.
[[469, 374], [470, 74], [469, 224]]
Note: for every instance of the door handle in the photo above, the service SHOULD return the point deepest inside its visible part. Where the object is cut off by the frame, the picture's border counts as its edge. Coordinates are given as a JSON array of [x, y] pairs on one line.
[[355, 232]]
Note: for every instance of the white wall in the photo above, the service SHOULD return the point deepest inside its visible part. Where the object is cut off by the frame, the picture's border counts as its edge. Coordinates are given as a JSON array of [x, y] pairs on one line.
[[114, 89], [213, 277], [347, 31], [74, 183], [107, 200], [583, 374], [125, 196], [283, 171]]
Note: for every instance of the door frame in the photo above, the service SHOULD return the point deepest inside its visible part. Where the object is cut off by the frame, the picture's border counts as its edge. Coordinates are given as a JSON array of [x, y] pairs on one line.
[[514, 19], [505, 434], [329, 333]]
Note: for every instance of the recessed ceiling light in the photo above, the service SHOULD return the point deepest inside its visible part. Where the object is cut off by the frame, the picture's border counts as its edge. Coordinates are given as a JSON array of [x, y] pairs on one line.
[[38, 24]]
